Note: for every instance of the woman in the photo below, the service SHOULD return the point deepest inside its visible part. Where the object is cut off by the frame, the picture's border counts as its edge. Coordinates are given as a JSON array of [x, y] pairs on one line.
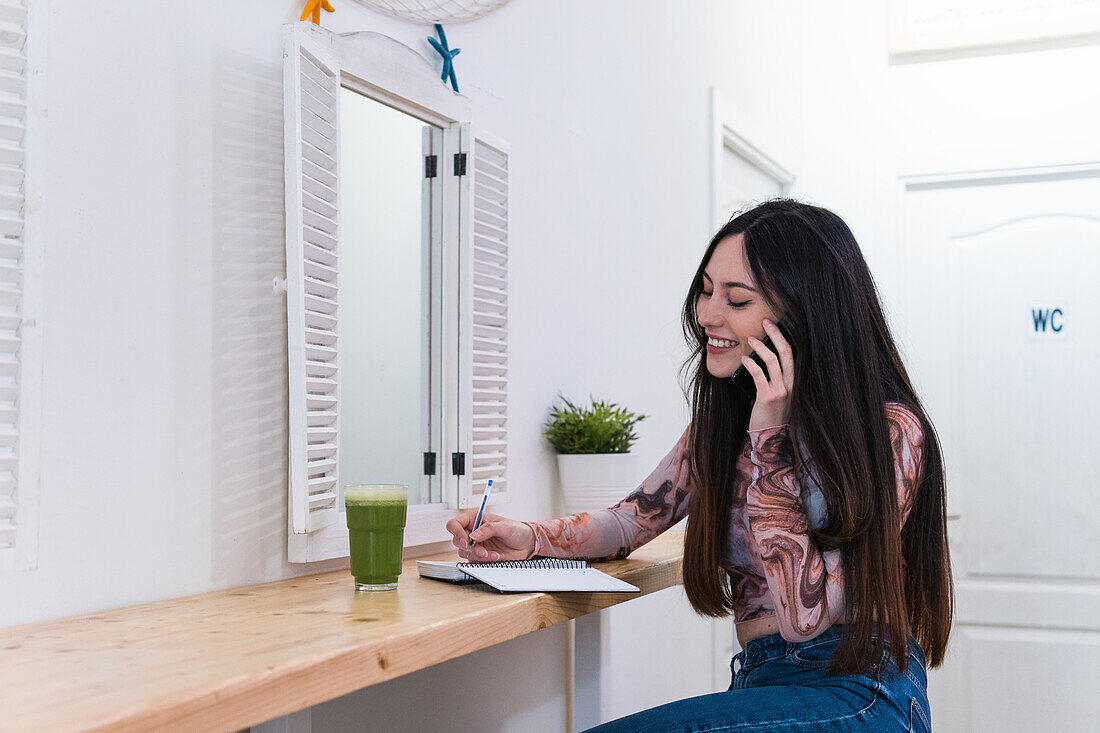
[[817, 505]]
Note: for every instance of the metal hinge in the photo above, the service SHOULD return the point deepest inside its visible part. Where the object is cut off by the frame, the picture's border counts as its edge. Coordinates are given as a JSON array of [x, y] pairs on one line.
[[458, 464], [430, 164], [429, 464], [460, 164]]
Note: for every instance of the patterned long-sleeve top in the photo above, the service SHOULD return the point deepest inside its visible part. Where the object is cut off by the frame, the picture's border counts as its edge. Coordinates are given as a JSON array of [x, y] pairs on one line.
[[775, 567]]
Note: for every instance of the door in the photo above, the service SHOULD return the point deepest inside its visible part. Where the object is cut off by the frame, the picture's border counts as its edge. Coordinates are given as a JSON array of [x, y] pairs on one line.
[[613, 676], [743, 176], [741, 184], [1003, 316]]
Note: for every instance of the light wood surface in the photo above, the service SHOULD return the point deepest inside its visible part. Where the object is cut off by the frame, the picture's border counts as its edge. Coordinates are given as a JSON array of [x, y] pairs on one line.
[[225, 660]]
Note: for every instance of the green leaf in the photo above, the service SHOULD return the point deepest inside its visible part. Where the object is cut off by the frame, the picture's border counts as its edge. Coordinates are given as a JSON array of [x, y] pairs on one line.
[[601, 427]]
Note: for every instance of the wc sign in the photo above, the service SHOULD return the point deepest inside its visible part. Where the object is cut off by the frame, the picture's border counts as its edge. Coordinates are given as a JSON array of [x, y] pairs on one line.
[[1046, 321]]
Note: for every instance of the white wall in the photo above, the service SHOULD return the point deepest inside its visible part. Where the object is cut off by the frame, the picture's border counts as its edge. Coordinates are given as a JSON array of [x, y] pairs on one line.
[[512, 687], [164, 436], [868, 122]]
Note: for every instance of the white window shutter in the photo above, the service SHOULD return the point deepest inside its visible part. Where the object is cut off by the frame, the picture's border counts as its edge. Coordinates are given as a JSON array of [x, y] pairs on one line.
[[483, 316], [311, 83], [18, 532]]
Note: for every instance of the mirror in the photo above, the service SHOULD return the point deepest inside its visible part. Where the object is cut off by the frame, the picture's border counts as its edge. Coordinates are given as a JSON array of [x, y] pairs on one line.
[[389, 333]]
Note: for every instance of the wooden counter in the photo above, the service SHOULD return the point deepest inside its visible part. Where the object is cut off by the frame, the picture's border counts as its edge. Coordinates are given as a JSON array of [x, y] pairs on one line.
[[230, 659]]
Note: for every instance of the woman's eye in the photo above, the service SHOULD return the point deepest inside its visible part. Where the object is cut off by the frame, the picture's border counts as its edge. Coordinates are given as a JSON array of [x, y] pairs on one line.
[[704, 294], [739, 305]]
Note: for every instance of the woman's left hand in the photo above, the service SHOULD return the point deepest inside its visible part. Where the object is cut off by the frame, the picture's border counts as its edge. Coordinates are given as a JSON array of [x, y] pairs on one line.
[[773, 390]]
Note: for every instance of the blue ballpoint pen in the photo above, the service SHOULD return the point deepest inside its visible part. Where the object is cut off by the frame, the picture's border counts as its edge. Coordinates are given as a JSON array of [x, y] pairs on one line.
[[480, 514]]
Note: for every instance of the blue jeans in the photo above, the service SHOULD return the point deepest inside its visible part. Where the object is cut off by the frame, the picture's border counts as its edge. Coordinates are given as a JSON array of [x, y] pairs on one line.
[[780, 685]]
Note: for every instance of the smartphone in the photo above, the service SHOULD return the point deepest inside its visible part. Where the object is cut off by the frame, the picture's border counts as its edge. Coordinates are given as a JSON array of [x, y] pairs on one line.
[[742, 378]]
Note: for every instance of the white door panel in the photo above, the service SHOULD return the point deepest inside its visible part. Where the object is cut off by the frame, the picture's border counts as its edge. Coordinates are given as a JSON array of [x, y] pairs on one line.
[[740, 185], [1014, 402]]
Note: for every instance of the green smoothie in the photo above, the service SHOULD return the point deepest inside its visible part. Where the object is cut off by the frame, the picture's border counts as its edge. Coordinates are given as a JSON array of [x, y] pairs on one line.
[[376, 526]]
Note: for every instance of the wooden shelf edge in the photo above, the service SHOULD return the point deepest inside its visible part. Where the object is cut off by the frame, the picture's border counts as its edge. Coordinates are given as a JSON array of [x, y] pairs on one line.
[[228, 700]]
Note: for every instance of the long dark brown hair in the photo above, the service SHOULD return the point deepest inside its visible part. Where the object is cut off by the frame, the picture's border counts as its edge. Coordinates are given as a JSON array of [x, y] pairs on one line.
[[809, 267]]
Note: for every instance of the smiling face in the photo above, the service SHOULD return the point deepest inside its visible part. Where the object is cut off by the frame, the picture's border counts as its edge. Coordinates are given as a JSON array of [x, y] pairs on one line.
[[730, 308]]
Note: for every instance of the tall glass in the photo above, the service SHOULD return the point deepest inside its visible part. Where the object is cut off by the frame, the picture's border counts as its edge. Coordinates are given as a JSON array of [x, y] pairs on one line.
[[376, 528]]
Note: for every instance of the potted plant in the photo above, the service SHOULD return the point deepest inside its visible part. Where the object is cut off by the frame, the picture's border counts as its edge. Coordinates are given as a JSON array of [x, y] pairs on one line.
[[593, 444]]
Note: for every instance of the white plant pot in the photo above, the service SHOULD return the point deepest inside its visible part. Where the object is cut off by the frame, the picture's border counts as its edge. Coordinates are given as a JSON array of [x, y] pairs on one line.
[[591, 481]]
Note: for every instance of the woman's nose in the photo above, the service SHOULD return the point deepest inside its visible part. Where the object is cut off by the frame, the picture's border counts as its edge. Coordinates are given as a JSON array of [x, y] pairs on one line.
[[703, 313]]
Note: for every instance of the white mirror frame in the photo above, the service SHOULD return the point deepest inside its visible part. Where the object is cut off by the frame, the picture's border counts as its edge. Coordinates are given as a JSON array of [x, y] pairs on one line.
[[383, 69]]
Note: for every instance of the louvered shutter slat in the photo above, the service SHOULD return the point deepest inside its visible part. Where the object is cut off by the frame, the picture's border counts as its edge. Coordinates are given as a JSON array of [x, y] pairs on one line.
[[317, 88], [321, 465], [323, 209], [319, 254], [491, 227], [320, 288], [11, 130], [11, 61], [494, 319], [486, 342], [489, 281], [321, 500], [13, 12], [491, 245], [320, 368], [321, 450], [318, 303], [317, 146], [11, 83], [319, 190], [11, 153], [323, 336], [320, 320], [322, 436], [11, 180], [486, 295], [320, 272], [321, 175], [491, 256], [318, 221], [490, 357], [490, 177], [7, 533], [318, 353], [490, 269], [311, 113], [13, 33], [321, 418], [493, 201]]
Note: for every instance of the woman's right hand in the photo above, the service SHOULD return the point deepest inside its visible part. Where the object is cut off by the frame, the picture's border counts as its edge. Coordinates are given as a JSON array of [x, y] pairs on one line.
[[498, 538]]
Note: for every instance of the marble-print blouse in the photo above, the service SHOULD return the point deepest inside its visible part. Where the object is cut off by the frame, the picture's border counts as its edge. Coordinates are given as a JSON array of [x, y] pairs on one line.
[[775, 567]]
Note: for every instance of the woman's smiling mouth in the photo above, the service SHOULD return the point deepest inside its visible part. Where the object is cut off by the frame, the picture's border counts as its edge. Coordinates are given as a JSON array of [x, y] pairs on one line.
[[719, 346]]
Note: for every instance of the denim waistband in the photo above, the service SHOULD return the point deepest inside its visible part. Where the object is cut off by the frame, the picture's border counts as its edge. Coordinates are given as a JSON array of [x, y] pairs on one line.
[[774, 646]]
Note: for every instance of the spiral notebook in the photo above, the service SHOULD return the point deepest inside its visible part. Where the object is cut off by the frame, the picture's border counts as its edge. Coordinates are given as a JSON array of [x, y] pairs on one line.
[[521, 576]]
